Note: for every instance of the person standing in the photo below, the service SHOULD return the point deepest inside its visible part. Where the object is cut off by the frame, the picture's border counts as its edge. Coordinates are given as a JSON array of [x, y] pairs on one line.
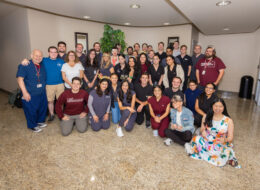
[[62, 50], [114, 87], [137, 47], [156, 72], [71, 108], [142, 60], [143, 92], [120, 69], [210, 69], [186, 64], [197, 55], [176, 49], [161, 52], [80, 54], [99, 54], [32, 82], [129, 53], [114, 56]]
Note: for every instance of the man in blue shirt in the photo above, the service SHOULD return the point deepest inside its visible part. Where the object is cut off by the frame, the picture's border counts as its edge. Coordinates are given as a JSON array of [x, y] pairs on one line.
[[32, 82]]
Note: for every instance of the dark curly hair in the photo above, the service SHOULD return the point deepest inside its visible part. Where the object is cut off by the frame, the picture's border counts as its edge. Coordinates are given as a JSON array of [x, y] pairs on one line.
[[88, 60], [128, 93]]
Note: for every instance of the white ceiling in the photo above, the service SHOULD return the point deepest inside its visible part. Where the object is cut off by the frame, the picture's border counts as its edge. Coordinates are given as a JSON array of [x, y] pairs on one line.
[[241, 16]]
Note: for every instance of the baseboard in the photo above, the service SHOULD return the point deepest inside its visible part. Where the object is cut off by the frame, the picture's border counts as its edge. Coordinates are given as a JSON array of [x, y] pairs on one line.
[[5, 91]]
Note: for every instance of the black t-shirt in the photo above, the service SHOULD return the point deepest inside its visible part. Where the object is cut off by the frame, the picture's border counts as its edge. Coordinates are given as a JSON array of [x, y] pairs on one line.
[[186, 61], [121, 73], [83, 58], [168, 92], [204, 105], [161, 56], [143, 92], [156, 74], [171, 74]]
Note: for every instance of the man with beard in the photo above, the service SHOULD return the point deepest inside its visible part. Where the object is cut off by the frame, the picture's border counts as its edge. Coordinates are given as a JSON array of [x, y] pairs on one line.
[[209, 69], [80, 54], [62, 50], [99, 54]]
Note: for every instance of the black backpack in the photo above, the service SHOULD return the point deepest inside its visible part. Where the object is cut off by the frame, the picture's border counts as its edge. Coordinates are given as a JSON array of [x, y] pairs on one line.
[[15, 99]]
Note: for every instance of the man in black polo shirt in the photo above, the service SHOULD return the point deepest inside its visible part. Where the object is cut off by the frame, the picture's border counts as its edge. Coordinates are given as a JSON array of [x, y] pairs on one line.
[[175, 89], [80, 54], [99, 54], [143, 92], [186, 63], [161, 52], [62, 50]]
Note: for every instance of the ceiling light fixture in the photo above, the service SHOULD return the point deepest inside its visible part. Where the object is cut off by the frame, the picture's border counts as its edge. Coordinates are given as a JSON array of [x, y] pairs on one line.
[[86, 17], [226, 29], [127, 23], [223, 3], [135, 6], [166, 23]]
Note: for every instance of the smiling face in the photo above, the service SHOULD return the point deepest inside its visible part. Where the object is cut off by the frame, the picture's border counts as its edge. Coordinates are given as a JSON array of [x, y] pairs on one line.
[[176, 83], [114, 79], [209, 89], [106, 57], [144, 79], [157, 92], [121, 59], [92, 55], [36, 56], [103, 86], [169, 61], [142, 59], [218, 108], [53, 53], [197, 50], [76, 84], [114, 52], [209, 52], [62, 48], [97, 47], [131, 62], [71, 57], [125, 87], [79, 48], [177, 104], [192, 86], [183, 50], [156, 60]]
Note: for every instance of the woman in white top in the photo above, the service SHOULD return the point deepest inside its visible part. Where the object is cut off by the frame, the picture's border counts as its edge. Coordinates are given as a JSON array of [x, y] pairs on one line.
[[72, 68]]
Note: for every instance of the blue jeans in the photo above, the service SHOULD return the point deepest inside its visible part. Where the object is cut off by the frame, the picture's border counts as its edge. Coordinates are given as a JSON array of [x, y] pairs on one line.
[[115, 113]]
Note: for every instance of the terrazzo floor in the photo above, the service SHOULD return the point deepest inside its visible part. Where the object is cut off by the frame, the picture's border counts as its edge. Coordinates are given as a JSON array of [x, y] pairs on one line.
[[101, 160]]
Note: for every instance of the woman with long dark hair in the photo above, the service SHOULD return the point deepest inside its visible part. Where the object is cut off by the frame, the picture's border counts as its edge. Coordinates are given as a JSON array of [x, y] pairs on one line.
[[134, 71], [114, 87], [91, 70], [126, 101], [99, 106], [214, 145], [203, 102], [121, 68], [159, 106], [143, 61]]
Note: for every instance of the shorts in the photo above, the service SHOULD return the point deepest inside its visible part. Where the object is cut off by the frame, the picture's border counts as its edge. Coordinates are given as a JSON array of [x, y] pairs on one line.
[[54, 90]]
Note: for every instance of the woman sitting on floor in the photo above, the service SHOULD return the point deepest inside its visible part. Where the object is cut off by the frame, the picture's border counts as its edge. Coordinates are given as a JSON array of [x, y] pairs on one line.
[[181, 127], [214, 145]]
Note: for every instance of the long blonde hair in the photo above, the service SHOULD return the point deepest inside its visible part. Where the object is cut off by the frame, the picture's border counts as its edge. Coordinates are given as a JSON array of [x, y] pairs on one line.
[[103, 64]]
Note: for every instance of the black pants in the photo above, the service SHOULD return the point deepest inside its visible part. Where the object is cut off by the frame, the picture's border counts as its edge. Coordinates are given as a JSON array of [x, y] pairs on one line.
[[197, 120], [178, 137], [140, 115]]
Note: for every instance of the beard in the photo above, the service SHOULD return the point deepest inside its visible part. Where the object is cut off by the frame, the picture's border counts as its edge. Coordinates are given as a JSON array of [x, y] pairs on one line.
[[208, 56]]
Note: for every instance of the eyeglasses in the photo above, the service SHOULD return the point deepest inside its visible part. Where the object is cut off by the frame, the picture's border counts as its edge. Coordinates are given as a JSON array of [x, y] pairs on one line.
[[209, 88]]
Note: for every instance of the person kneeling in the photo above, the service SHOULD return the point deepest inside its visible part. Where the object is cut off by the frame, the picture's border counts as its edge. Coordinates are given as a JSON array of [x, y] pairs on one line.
[[99, 106], [126, 101], [181, 128], [75, 109]]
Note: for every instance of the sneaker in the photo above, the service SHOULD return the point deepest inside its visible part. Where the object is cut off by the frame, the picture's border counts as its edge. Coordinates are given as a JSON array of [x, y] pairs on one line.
[[42, 125], [36, 129], [188, 148], [119, 132], [168, 142], [51, 118], [148, 124], [155, 133]]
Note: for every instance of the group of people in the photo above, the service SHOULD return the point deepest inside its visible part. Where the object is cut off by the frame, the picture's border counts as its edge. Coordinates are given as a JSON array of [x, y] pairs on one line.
[[169, 91]]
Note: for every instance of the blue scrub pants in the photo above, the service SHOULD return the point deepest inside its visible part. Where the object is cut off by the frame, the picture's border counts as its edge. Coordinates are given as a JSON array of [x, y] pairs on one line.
[[116, 115], [35, 110]]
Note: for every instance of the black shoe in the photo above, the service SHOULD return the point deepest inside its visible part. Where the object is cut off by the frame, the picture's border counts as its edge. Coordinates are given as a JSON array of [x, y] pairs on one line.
[[51, 118], [148, 124]]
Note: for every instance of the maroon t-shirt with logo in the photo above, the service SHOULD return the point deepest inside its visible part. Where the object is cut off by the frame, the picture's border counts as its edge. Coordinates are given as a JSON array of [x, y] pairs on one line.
[[159, 108], [209, 70]]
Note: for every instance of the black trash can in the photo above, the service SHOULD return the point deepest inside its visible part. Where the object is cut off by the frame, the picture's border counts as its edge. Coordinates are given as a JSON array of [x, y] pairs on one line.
[[246, 87]]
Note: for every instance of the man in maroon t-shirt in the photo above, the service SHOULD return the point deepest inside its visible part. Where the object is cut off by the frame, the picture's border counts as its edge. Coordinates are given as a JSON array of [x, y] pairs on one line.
[[209, 69]]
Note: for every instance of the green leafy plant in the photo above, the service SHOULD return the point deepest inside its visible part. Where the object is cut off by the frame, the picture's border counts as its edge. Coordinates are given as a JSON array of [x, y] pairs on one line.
[[112, 37]]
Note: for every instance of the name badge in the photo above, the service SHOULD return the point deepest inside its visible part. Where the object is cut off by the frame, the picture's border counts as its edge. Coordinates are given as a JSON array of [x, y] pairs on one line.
[[203, 72], [95, 72], [39, 85]]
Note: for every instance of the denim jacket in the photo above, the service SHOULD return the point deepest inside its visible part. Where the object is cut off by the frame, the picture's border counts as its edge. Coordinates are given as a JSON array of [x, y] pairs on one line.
[[187, 119]]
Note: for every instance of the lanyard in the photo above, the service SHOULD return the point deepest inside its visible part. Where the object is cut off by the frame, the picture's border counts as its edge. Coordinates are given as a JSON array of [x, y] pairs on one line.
[[38, 72], [206, 64]]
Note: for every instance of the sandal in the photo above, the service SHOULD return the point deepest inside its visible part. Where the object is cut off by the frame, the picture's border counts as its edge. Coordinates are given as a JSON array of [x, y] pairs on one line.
[[233, 162]]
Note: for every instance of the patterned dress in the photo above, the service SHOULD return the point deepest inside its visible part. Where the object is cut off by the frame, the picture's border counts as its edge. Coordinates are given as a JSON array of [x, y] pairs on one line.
[[210, 149]]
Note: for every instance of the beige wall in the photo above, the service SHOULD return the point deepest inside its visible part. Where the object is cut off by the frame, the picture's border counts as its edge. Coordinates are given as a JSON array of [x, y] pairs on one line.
[[238, 52], [14, 45], [46, 29]]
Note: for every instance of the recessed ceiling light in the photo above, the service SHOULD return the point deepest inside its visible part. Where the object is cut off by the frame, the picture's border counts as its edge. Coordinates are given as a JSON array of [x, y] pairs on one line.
[[226, 29], [135, 6], [127, 23], [223, 3], [86, 17], [166, 23]]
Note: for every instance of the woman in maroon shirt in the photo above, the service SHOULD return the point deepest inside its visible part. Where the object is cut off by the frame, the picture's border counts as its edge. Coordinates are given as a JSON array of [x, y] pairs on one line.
[[75, 109], [145, 64], [159, 106]]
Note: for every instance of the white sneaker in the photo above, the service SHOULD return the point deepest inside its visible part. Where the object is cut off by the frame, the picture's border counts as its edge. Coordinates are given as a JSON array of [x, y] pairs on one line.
[[42, 125], [168, 142], [119, 132], [36, 129], [155, 133], [188, 148]]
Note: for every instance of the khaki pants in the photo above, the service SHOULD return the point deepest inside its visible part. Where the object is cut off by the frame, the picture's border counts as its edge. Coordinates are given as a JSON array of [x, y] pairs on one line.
[[54, 90]]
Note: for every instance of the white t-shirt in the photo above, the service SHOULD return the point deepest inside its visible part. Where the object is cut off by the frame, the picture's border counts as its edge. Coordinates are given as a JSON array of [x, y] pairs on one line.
[[178, 118], [71, 72]]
